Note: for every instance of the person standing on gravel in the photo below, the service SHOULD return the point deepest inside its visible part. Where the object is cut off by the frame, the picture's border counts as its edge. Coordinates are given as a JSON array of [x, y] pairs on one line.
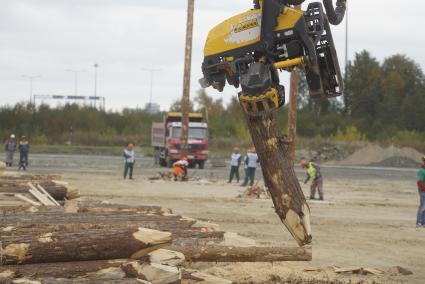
[[313, 173], [251, 162], [10, 148], [420, 218], [235, 162], [24, 149], [129, 161]]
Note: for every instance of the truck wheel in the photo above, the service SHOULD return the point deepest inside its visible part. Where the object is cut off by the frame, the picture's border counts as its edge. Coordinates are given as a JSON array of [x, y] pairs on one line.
[[201, 165]]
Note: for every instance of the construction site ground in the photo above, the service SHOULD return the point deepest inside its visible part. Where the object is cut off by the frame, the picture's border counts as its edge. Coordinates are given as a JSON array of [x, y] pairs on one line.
[[369, 221]]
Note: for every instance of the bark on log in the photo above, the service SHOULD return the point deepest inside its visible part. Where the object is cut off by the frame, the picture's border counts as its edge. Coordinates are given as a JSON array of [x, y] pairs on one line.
[[285, 190], [78, 281], [104, 208], [243, 254], [56, 217], [82, 245], [62, 269], [189, 234]]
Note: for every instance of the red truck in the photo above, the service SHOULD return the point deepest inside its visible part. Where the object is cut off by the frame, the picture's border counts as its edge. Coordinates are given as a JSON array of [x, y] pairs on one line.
[[166, 140]]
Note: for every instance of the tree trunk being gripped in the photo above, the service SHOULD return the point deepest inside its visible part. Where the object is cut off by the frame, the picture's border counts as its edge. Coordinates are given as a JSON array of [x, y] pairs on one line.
[[285, 190]]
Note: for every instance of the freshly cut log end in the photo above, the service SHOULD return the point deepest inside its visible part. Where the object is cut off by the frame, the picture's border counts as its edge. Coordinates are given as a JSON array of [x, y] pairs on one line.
[[2, 167], [280, 178]]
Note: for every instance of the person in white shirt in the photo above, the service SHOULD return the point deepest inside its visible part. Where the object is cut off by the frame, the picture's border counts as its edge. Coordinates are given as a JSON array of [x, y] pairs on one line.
[[251, 162], [235, 162], [129, 161]]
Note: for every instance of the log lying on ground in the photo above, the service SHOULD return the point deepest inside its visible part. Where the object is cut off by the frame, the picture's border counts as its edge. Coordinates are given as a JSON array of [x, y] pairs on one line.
[[285, 190], [62, 269], [190, 235], [78, 281], [105, 208], [83, 245], [55, 217], [243, 254], [57, 192]]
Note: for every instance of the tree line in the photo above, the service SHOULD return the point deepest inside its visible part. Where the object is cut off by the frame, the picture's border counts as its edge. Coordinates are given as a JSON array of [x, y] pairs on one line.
[[383, 102]]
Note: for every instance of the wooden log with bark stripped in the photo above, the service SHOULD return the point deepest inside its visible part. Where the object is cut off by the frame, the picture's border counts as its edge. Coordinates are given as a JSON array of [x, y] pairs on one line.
[[243, 254], [288, 198]]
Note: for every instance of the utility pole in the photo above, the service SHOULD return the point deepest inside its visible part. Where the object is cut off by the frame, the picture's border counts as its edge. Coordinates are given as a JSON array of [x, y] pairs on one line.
[[151, 71], [95, 83], [346, 38], [31, 79], [186, 79], [292, 110]]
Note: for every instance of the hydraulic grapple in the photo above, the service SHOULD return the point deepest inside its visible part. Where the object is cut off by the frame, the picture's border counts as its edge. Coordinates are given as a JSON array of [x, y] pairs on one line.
[[247, 50]]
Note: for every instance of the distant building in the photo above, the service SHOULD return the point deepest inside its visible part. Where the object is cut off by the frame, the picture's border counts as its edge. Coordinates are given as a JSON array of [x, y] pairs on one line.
[[153, 107]]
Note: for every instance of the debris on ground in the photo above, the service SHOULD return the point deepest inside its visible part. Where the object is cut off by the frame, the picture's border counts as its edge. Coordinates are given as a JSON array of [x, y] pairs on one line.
[[398, 270], [256, 192]]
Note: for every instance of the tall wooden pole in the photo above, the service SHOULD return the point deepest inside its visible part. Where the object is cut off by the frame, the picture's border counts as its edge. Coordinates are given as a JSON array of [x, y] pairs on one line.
[[186, 79], [292, 111]]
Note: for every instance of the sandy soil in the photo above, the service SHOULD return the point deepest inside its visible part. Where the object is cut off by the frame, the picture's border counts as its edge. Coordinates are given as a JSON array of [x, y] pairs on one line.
[[370, 225]]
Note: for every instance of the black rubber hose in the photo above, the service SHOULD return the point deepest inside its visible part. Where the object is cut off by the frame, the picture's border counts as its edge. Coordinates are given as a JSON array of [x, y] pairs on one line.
[[294, 2], [335, 16]]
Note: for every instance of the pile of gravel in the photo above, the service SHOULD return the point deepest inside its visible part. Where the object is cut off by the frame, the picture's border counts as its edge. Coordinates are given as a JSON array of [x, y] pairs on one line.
[[397, 162]]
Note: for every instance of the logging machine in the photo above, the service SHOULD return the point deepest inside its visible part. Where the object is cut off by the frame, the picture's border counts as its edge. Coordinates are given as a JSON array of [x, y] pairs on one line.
[[248, 49]]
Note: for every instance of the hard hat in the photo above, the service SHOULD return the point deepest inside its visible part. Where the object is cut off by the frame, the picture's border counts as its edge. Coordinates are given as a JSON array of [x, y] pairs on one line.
[[12, 136], [304, 163]]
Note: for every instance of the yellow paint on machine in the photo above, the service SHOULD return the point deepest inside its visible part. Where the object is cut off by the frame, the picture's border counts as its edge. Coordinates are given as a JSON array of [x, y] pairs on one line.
[[244, 29]]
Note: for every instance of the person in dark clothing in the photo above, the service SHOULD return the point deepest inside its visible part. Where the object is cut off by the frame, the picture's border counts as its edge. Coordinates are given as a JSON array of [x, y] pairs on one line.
[[420, 219], [24, 148], [235, 163], [10, 148], [129, 161]]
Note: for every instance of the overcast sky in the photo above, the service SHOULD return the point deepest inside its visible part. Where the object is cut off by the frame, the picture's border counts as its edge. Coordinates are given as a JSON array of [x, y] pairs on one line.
[[47, 37]]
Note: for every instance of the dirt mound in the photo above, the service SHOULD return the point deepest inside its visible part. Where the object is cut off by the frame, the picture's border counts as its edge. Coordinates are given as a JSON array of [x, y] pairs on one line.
[[397, 162], [375, 155]]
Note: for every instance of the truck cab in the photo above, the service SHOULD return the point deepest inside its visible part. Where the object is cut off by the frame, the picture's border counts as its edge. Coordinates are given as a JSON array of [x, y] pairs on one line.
[[166, 140]]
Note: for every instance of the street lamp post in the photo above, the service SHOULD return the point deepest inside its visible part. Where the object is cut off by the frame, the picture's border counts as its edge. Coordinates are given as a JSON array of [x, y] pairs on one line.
[[31, 79], [151, 71], [95, 83]]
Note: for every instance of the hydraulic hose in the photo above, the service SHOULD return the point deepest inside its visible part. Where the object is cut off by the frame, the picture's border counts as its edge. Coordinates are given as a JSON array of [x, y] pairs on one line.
[[294, 2], [335, 16]]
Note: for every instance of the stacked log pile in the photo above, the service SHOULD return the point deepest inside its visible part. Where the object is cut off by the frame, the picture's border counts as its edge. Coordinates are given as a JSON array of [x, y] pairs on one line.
[[35, 190], [98, 242], [107, 243]]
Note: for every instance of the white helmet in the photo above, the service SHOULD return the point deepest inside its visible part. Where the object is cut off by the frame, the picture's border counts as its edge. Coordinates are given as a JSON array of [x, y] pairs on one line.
[[12, 136]]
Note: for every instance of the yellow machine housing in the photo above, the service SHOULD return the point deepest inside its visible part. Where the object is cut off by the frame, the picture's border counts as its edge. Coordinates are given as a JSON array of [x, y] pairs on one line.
[[245, 29]]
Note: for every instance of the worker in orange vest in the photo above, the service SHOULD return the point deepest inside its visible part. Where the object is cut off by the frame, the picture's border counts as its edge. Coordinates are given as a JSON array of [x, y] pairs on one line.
[[180, 169]]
